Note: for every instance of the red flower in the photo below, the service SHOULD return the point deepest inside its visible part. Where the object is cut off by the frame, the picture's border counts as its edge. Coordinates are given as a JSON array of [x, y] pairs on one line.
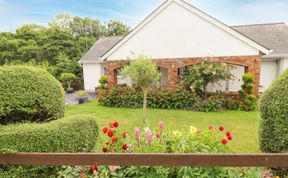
[[83, 175], [228, 134], [104, 150], [157, 135], [124, 146], [224, 141], [110, 133], [221, 128], [210, 127], [125, 134], [114, 139], [229, 137], [115, 124], [94, 168], [105, 130]]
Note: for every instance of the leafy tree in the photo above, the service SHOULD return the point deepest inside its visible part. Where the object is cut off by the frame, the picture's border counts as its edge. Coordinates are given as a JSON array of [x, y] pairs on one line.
[[144, 74], [116, 27], [59, 46], [198, 76]]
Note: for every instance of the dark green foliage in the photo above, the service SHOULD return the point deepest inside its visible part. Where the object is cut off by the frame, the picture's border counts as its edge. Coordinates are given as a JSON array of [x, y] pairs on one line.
[[61, 44], [247, 97], [273, 106], [120, 96], [29, 94], [72, 134]]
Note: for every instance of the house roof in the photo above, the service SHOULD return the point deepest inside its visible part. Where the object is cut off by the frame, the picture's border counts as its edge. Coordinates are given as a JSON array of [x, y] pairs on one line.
[[100, 48], [273, 36]]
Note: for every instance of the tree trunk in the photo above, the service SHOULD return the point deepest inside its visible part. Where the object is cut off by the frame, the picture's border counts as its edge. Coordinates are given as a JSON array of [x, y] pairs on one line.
[[144, 106]]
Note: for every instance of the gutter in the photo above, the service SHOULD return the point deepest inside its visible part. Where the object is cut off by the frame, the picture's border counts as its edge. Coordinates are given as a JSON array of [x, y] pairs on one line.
[[285, 55]]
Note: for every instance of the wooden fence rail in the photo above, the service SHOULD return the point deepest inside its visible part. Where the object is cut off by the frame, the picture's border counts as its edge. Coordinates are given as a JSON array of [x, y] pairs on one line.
[[147, 159]]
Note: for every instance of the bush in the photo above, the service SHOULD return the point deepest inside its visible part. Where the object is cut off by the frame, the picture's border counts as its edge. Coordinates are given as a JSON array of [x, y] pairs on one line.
[[29, 94], [273, 106], [103, 80], [72, 134], [121, 96], [248, 101]]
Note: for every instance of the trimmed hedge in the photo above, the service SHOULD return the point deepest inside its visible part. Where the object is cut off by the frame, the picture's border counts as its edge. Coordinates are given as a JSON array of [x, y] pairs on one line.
[[29, 94], [121, 96], [72, 134], [273, 106]]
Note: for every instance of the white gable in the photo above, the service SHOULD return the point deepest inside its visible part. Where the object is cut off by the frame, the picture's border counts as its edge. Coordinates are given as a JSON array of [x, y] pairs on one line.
[[177, 30]]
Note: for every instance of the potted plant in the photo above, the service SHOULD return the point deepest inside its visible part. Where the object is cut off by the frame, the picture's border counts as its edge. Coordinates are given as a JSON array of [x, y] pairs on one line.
[[82, 96], [68, 78]]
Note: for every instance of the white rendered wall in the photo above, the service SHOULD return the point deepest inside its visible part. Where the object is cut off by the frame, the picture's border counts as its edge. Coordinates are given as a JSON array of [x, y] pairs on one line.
[[233, 85], [268, 74], [177, 32], [92, 74], [282, 65]]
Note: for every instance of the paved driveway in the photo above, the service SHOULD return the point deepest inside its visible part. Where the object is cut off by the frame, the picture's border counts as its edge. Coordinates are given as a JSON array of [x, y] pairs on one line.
[[71, 99]]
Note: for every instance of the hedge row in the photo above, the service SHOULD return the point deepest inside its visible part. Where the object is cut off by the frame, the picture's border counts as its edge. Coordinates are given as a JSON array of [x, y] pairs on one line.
[[72, 134], [29, 94], [121, 96]]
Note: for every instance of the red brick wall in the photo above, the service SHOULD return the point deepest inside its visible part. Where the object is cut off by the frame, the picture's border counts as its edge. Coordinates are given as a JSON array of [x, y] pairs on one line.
[[251, 64]]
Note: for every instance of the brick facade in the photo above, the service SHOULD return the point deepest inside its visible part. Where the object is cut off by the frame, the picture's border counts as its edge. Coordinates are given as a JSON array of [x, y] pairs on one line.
[[250, 63]]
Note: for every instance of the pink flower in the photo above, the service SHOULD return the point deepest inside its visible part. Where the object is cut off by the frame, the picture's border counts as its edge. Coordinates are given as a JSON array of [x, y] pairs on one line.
[[210, 127], [161, 125], [137, 134], [113, 168], [149, 137]]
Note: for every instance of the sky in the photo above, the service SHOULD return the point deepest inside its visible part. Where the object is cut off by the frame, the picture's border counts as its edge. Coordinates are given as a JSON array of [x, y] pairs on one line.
[[14, 13]]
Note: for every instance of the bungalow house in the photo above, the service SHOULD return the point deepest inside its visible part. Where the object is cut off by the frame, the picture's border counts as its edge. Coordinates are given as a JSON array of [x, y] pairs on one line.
[[177, 35]]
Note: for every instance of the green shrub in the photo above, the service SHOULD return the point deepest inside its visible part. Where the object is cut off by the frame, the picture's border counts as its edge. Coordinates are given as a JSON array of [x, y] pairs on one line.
[[103, 80], [29, 94], [123, 96], [248, 101], [120, 96], [71, 134], [273, 106]]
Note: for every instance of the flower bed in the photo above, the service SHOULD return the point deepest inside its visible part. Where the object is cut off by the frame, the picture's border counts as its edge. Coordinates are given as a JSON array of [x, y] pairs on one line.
[[115, 140]]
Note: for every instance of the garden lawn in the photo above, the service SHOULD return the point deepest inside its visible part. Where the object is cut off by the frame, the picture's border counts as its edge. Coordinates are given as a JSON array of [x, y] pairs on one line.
[[243, 125]]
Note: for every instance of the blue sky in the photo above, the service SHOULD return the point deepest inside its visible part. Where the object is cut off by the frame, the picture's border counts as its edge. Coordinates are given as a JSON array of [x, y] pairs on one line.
[[14, 13]]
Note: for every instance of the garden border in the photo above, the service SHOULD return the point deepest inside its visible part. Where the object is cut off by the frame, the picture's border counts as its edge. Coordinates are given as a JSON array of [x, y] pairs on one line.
[[148, 159]]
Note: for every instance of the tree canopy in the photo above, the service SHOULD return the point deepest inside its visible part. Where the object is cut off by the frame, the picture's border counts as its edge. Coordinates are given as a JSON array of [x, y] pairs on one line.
[[60, 45]]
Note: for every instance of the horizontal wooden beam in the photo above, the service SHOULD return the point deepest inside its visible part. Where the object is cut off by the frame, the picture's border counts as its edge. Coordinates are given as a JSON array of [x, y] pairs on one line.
[[147, 159]]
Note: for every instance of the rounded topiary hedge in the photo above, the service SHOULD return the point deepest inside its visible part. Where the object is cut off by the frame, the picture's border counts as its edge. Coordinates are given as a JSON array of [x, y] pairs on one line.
[[273, 105], [29, 94]]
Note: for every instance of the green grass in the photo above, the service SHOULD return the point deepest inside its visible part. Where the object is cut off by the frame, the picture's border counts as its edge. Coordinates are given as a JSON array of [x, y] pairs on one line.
[[243, 125]]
